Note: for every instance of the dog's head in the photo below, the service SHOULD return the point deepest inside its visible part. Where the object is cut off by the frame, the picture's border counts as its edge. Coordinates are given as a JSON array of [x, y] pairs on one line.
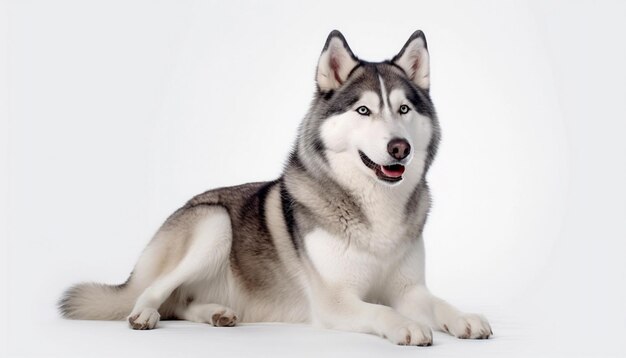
[[371, 121]]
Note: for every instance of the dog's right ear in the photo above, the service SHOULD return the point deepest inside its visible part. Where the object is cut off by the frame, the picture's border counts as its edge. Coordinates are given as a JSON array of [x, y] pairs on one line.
[[335, 63]]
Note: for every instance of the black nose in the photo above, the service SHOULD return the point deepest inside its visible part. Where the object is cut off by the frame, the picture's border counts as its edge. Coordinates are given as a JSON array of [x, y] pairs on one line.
[[399, 148]]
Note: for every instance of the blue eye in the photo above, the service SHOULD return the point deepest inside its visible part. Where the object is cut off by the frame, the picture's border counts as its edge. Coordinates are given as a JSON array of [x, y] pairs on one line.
[[404, 109], [364, 111]]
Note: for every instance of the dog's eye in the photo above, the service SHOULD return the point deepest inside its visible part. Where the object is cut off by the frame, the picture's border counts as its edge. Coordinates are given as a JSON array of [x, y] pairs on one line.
[[404, 109], [364, 111]]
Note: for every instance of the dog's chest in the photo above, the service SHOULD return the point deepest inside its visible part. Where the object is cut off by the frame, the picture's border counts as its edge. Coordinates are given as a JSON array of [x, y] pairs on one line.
[[362, 251], [362, 259]]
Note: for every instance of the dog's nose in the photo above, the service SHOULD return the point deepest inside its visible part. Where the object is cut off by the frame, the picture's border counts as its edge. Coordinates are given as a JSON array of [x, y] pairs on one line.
[[399, 148]]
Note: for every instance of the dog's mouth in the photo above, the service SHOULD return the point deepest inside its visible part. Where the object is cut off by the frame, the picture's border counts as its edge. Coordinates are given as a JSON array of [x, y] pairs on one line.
[[390, 173]]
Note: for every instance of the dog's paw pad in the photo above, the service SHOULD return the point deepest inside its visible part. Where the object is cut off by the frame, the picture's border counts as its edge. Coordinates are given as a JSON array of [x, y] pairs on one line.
[[224, 318]]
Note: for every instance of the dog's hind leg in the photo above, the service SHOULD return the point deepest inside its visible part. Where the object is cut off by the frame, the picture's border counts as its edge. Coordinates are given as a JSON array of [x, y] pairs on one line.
[[208, 250], [214, 314]]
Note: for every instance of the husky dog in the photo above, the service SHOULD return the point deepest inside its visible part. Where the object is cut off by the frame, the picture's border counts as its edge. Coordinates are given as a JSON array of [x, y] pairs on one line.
[[336, 241]]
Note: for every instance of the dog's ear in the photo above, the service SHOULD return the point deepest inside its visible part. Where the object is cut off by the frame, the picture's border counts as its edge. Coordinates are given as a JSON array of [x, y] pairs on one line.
[[414, 60], [335, 63]]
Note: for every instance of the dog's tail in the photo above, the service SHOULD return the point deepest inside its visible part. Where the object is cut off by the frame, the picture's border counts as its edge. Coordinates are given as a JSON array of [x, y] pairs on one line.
[[95, 301]]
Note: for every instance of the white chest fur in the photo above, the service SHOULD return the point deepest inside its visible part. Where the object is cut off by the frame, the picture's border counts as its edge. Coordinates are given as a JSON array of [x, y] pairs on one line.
[[360, 261]]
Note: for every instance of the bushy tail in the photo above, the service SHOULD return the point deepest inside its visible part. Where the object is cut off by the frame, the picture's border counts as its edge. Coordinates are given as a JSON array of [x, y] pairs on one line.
[[95, 301]]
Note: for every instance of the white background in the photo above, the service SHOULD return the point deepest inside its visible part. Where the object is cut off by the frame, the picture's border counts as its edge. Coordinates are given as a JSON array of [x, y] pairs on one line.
[[114, 113]]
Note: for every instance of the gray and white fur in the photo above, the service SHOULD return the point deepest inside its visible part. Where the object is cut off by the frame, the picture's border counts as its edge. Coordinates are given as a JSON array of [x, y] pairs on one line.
[[336, 241]]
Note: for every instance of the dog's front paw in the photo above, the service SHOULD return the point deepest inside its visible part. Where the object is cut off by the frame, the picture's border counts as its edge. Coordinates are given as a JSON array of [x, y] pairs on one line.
[[468, 326], [413, 334], [146, 319]]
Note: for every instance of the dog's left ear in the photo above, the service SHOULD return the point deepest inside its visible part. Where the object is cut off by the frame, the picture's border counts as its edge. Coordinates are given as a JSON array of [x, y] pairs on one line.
[[335, 63], [414, 60]]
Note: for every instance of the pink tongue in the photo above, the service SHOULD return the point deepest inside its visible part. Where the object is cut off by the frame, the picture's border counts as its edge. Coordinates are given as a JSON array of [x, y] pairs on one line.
[[392, 171]]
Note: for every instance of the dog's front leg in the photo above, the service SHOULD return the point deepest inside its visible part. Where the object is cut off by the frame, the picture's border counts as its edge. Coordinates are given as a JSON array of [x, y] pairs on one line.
[[418, 303], [344, 310], [406, 292]]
